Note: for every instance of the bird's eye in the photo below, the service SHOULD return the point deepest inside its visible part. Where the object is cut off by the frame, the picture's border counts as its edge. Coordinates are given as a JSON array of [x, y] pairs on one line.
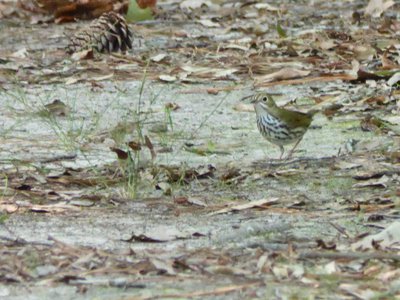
[[264, 99]]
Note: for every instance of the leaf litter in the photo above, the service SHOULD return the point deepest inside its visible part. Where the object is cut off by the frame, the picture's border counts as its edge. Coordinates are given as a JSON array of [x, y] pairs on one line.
[[201, 216]]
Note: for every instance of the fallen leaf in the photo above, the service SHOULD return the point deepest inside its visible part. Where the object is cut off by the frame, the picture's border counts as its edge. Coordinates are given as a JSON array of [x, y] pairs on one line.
[[265, 6], [207, 71], [166, 266], [339, 35], [381, 182], [227, 270], [376, 7], [236, 47], [283, 74], [53, 208], [172, 106], [243, 107], [85, 54], [331, 268], [208, 23], [82, 203], [146, 3], [149, 145], [57, 108], [387, 239], [390, 275], [159, 234], [344, 165], [159, 57], [326, 44], [8, 208], [249, 205], [212, 91], [193, 4], [71, 80], [357, 291], [207, 149], [387, 63], [165, 187], [394, 79], [46, 270], [167, 78], [21, 53], [105, 77], [190, 201], [280, 30], [135, 146], [120, 153]]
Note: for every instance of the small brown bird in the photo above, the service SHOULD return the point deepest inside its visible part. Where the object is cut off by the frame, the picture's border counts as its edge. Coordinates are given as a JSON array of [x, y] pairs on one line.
[[278, 125]]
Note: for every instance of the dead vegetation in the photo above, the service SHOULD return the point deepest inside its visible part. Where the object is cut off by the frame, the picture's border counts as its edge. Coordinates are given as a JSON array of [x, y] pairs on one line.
[[141, 172]]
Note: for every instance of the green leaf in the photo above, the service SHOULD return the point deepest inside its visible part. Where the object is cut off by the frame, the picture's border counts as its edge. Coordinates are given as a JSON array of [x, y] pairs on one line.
[[280, 30], [3, 218], [136, 14]]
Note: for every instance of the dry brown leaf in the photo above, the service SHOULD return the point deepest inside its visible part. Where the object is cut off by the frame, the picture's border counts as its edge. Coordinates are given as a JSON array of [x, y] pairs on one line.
[[203, 294], [71, 80], [134, 145], [212, 91], [243, 107], [67, 10], [8, 208], [193, 4], [104, 77], [21, 53], [389, 276], [159, 234], [120, 153], [163, 265], [172, 106], [208, 23], [249, 205], [209, 71], [85, 54], [266, 6], [167, 78], [283, 74], [381, 182], [58, 108], [388, 238], [323, 78], [149, 145], [7, 9], [159, 57], [55, 208], [388, 64], [146, 3], [326, 45], [394, 79], [357, 291], [376, 7]]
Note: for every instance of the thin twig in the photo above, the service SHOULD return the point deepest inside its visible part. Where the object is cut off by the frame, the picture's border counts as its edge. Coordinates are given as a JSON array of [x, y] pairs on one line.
[[349, 255], [217, 291]]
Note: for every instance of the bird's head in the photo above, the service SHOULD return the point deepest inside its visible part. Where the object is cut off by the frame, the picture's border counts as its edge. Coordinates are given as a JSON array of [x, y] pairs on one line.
[[263, 99]]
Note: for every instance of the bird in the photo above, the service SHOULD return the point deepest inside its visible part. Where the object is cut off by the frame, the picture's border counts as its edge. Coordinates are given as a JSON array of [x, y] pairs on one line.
[[278, 125]]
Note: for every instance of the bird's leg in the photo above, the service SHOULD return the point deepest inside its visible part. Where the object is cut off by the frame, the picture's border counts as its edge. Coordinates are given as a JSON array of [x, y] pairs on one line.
[[282, 151], [294, 147]]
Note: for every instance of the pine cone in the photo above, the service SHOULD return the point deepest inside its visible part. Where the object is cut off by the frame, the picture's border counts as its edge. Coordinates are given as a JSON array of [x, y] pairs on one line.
[[108, 33]]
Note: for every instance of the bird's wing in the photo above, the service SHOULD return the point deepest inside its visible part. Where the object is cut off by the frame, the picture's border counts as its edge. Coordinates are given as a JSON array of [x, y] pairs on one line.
[[297, 119]]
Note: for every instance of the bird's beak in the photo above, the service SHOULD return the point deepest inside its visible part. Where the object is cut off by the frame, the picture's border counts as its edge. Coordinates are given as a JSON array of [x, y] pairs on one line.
[[247, 97]]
